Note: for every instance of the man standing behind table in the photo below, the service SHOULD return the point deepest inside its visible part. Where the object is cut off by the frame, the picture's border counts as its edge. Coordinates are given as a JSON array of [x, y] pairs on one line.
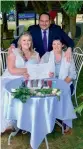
[[43, 35]]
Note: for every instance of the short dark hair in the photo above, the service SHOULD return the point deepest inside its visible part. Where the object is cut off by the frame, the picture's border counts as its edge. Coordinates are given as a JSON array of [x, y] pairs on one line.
[[59, 38], [44, 13]]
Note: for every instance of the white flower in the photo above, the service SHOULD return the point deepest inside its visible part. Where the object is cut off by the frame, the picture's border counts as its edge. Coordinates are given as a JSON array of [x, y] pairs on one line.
[[58, 93], [33, 91], [12, 96], [13, 90], [39, 94], [54, 91]]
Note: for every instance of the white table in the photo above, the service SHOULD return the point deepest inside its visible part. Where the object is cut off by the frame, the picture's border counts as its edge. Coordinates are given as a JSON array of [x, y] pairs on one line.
[[38, 115]]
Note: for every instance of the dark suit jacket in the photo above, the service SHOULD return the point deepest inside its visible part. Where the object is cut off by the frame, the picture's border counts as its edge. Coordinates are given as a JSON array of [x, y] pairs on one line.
[[54, 31]]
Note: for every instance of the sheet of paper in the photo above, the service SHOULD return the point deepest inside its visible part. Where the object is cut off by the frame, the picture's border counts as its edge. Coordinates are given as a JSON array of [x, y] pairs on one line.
[[40, 71]]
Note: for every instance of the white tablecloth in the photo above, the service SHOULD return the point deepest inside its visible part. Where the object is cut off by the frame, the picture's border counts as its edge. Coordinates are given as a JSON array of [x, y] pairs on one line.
[[38, 115]]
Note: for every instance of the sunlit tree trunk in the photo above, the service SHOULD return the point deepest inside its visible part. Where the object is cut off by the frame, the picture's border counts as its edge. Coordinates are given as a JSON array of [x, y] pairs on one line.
[[80, 43], [73, 26], [65, 22]]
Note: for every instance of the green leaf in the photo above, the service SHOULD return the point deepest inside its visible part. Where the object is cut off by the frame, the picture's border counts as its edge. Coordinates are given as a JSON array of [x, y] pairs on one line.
[[24, 93], [72, 7], [79, 108], [6, 6]]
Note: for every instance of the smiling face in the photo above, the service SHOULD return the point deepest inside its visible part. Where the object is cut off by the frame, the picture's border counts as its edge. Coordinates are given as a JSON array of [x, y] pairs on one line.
[[57, 46], [44, 21], [25, 42]]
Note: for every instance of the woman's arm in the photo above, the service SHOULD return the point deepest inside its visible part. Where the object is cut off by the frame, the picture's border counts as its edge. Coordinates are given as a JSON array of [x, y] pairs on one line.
[[12, 68], [72, 69], [72, 73]]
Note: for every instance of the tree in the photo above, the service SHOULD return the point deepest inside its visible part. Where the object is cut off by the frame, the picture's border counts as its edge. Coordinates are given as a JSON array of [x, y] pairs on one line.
[[65, 22], [71, 8], [80, 42], [42, 6], [6, 6]]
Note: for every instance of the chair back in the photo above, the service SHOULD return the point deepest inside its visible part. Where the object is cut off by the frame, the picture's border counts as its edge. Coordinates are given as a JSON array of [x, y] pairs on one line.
[[3, 61], [20, 30], [78, 59]]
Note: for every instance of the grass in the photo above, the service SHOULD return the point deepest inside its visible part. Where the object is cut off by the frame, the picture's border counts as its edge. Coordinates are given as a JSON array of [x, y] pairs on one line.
[[12, 24], [56, 139]]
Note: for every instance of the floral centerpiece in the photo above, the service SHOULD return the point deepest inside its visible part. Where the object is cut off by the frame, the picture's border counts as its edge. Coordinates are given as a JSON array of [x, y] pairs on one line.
[[23, 93]]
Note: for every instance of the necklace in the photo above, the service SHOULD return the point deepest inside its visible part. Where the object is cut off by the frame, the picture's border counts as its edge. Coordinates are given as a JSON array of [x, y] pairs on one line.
[[27, 56]]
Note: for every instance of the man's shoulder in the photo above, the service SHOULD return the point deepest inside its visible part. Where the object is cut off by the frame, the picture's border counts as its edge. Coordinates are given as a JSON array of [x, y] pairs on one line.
[[54, 26], [33, 27]]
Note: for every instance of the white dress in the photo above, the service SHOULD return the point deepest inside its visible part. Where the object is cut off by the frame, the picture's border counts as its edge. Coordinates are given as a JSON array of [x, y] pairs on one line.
[[5, 78]]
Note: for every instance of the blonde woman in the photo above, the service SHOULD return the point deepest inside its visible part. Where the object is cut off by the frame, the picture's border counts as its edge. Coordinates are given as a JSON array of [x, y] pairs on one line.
[[16, 67], [17, 58]]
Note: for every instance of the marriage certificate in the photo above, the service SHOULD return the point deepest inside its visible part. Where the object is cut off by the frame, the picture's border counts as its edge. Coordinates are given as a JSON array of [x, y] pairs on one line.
[[39, 71]]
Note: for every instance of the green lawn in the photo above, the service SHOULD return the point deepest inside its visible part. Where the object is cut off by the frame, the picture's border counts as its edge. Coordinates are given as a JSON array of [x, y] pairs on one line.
[[12, 26]]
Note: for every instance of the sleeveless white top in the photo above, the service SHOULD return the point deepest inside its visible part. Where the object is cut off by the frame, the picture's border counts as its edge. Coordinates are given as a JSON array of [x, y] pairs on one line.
[[20, 62]]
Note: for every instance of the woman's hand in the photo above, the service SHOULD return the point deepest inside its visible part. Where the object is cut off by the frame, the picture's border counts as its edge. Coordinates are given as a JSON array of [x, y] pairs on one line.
[[12, 46], [26, 75], [51, 74], [68, 79], [68, 54]]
